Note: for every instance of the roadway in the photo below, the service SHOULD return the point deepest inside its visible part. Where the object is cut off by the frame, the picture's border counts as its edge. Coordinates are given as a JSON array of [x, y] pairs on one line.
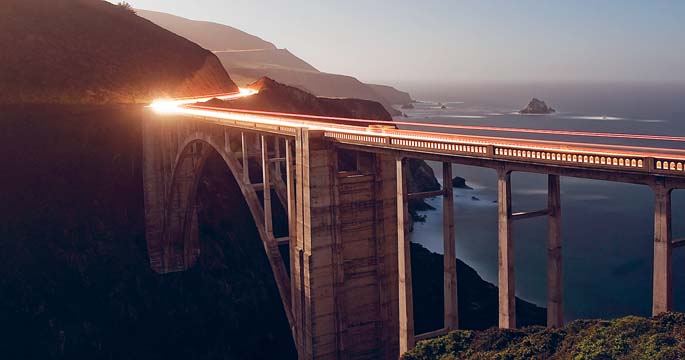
[[499, 136]]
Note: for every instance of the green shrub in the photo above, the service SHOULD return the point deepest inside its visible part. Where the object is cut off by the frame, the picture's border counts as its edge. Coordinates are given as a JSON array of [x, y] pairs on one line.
[[631, 337]]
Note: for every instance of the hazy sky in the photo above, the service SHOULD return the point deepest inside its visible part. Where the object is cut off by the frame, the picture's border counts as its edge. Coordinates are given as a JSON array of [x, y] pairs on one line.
[[464, 40]]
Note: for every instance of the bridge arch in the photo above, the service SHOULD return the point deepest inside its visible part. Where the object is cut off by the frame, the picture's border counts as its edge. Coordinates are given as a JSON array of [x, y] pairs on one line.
[[180, 231]]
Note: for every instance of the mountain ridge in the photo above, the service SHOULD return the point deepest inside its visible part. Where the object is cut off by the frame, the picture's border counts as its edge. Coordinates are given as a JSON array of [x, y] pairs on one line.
[[248, 63]]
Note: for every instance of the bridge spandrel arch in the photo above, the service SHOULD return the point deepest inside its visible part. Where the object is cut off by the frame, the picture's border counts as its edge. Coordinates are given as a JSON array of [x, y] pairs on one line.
[[344, 263], [175, 153]]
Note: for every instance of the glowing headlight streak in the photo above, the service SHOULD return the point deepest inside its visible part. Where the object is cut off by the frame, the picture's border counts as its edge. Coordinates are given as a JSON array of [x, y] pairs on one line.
[[538, 145], [185, 106], [172, 106]]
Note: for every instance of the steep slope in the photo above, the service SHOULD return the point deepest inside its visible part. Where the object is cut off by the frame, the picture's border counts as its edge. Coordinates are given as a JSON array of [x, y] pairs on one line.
[[90, 51], [207, 34], [249, 61]]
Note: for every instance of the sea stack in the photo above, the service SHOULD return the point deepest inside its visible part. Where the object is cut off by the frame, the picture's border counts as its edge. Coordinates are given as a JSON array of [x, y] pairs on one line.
[[537, 106]]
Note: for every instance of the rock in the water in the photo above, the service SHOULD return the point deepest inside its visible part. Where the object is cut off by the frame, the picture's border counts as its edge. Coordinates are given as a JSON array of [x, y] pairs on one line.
[[475, 198], [537, 106], [407, 106], [460, 183]]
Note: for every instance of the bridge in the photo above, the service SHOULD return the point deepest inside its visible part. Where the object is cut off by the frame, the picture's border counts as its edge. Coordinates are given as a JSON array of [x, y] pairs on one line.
[[347, 289]]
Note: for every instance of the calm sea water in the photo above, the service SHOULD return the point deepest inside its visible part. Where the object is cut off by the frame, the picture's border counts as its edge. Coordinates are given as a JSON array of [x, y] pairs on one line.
[[607, 227]]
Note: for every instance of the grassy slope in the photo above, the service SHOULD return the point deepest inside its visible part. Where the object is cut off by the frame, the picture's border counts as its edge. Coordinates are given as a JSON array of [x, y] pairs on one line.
[[662, 337]]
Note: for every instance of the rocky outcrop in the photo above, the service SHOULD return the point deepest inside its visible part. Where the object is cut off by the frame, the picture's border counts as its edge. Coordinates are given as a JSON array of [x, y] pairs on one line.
[[277, 97], [537, 107], [407, 106], [460, 183], [318, 83], [91, 51]]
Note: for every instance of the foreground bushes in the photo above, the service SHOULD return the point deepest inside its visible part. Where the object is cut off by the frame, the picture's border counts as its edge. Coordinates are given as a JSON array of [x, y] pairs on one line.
[[661, 337]]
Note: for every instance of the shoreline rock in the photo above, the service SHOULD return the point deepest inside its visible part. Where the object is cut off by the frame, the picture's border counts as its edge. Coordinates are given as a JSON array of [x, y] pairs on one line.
[[537, 107], [459, 182]]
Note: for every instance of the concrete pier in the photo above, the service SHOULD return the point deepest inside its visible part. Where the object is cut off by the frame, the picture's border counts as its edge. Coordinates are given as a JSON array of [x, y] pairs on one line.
[[266, 180], [406, 300], [555, 289], [505, 256], [450, 269], [662, 284]]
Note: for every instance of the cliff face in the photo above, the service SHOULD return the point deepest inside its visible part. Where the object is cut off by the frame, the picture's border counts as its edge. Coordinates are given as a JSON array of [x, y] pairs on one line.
[[90, 51]]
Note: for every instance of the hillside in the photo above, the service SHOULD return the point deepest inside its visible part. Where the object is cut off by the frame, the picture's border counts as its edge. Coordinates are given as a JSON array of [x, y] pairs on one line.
[[277, 97], [90, 51], [207, 34], [661, 337], [247, 61]]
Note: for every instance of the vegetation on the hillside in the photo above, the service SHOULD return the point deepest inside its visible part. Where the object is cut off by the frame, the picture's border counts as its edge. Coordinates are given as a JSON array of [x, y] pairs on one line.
[[126, 6], [661, 337]]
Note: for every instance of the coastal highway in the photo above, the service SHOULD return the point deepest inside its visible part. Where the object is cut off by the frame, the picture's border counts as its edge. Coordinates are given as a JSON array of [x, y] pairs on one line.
[[496, 136]]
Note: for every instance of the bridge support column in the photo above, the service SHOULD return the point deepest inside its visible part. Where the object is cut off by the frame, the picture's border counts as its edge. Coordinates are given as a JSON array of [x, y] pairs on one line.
[[295, 281], [406, 302], [662, 300], [246, 158], [266, 181], [555, 294], [505, 256], [451, 321], [314, 310], [344, 256]]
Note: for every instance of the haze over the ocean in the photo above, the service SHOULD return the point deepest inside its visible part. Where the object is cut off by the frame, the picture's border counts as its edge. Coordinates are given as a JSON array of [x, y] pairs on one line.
[[466, 41]]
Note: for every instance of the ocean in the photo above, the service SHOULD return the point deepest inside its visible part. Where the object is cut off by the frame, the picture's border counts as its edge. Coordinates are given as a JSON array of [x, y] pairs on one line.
[[607, 228]]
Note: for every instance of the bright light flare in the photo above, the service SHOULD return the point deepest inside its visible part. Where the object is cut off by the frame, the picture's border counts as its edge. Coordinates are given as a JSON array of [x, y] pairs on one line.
[[173, 106], [164, 106]]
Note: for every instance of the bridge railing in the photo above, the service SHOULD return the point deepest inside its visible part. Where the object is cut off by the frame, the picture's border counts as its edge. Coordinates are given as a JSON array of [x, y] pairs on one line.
[[533, 151], [592, 156]]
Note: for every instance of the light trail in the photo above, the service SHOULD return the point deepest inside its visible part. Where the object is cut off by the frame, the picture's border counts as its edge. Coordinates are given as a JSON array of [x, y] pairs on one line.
[[468, 127], [325, 123], [174, 105], [280, 119]]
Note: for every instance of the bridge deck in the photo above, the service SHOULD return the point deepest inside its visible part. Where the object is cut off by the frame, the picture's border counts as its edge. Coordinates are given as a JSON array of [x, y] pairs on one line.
[[623, 163]]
